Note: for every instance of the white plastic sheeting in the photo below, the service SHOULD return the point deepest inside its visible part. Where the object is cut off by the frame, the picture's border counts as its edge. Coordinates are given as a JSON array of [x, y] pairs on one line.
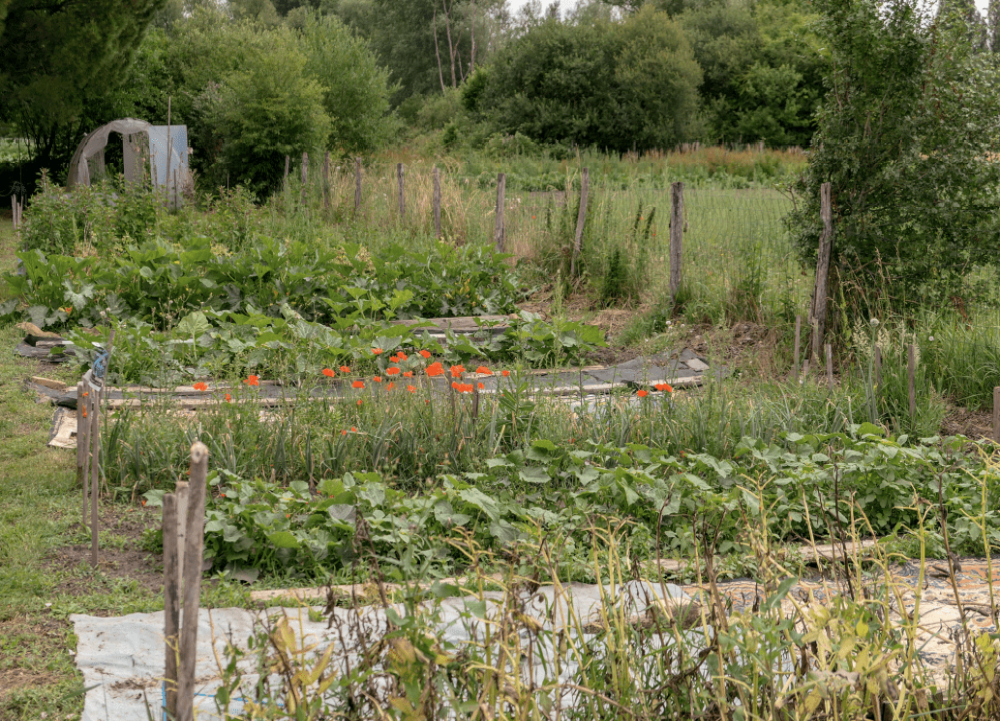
[[122, 659]]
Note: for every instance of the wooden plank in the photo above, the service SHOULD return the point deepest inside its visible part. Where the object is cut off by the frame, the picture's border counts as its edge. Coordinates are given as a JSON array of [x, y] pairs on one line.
[[49, 383]]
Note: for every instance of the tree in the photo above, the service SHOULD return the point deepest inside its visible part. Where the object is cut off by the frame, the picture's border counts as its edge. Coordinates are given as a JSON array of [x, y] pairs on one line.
[[617, 86], [56, 58], [905, 138]]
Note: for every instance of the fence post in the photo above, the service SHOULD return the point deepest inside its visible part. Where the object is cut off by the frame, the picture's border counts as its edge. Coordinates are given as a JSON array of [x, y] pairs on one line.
[[357, 184], [817, 314], [829, 365], [498, 229], [171, 600], [437, 202], [326, 181], [288, 168], [95, 472], [13, 210], [996, 414], [82, 438], [676, 239], [193, 546], [400, 173], [798, 337], [305, 177], [581, 220], [911, 372]]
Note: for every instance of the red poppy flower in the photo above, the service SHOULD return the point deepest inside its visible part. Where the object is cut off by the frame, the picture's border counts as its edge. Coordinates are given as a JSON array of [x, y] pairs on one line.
[[345, 369], [505, 373], [390, 386], [642, 394], [483, 370], [199, 386], [411, 389], [328, 373], [466, 388], [228, 398], [84, 412], [457, 371], [353, 429], [435, 369], [407, 374], [358, 384], [482, 386], [377, 379], [86, 393], [394, 358], [401, 355], [664, 387], [455, 385], [425, 353], [252, 381], [393, 371], [359, 402], [377, 351], [343, 433]]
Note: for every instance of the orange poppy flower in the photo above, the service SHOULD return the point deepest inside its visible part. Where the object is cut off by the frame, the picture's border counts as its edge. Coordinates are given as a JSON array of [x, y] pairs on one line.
[[394, 358], [482, 386], [664, 387], [358, 384], [411, 389], [455, 385], [343, 433], [435, 369], [328, 373], [84, 412], [642, 394], [505, 373], [86, 393], [345, 369], [199, 386], [401, 355], [228, 398], [390, 386], [359, 403], [393, 371], [483, 370], [377, 351], [457, 371], [353, 429], [466, 388], [252, 381], [377, 379], [407, 374], [425, 353]]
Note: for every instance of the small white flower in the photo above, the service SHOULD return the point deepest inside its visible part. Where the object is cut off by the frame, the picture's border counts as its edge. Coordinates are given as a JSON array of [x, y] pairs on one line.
[[874, 322], [931, 339]]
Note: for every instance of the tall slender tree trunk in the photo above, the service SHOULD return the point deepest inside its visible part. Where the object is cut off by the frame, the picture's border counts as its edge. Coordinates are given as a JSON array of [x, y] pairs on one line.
[[437, 51], [451, 46], [472, 54]]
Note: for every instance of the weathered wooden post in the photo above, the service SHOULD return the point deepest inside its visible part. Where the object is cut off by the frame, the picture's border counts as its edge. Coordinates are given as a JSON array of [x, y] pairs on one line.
[[288, 169], [82, 441], [437, 202], [193, 552], [996, 414], [676, 239], [817, 313], [357, 184], [581, 220], [13, 210], [498, 228], [400, 178], [95, 472], [829, 365], [305, 178], [326, 180], [798, 337]]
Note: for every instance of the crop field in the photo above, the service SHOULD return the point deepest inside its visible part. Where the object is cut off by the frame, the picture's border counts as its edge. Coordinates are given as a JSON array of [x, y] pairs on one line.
[[350, 446]]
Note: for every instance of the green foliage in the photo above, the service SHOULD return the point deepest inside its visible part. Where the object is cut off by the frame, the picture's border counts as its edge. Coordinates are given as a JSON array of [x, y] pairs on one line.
[[906, 140], [614, 86], [763, 70], [268, 109]]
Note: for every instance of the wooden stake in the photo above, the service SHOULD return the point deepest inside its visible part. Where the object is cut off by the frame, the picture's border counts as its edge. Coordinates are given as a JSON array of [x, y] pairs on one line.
[[498, 229], [437, 202], [817, 313], [400, 173], [288, 169], [13, 210], [798, 336], [326, 180], [581, 220], [95, 472], [192, 583], [357, 184], [171, 601], [911, 368], [475, 400], [996, 414], [878, 366], [829, 365], [82, 437], [181, 494], [676, 239], [305, 177], [170, 149]]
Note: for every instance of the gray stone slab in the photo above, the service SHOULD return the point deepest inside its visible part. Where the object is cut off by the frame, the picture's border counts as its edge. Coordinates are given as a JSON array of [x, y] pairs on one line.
[[640, 375], [688, 354], [696, 364]]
